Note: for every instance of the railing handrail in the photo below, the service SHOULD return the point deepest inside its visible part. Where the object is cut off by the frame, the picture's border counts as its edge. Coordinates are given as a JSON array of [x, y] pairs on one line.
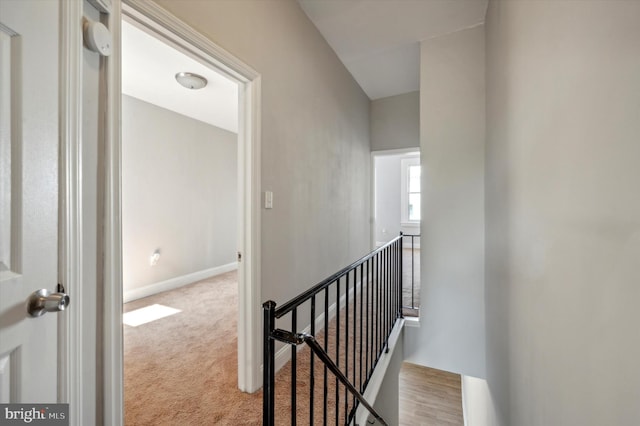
[[380, 305], [303, 297], [299, 338]]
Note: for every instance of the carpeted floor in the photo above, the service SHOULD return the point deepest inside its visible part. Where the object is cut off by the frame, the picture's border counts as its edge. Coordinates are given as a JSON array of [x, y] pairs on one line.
[[159, 390]]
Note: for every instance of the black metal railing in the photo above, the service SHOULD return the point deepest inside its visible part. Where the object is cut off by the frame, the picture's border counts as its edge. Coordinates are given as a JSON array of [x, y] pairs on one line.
[[300, 338], [411, 280], [350, 317]]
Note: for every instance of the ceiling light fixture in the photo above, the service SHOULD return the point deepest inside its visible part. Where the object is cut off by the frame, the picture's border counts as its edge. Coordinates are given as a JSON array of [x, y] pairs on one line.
[[191, 80]]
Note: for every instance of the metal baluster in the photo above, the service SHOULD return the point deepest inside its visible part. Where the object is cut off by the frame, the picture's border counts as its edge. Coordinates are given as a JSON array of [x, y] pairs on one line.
[[346, 345], [311, 357], [362, 289], [377, 311], [385, 301], [326, 349], [389, 293], [268, 362], [294, 326], [374, 313], [368, 322], [355, 331], [392, 285], [401, 276], [376, 316], [337, 348], [413, 274]]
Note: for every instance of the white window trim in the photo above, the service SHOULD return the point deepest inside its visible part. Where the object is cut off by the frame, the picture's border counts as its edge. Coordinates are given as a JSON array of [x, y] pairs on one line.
[[404, 193]]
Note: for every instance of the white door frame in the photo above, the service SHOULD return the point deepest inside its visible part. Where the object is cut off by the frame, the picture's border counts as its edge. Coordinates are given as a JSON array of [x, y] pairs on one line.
[[178, 33], [71, 386], [374, 155]]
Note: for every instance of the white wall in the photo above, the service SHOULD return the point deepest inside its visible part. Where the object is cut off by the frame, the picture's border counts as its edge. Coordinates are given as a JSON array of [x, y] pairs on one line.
[[395, 122], [452, 334], [563, 211], [315, 139], [387, 400], [387, 197], [179, 194], [477, 405], [395, 125]]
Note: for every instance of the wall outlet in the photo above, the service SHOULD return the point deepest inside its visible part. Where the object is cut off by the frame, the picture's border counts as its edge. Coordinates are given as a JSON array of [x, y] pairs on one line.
[[153, 260]]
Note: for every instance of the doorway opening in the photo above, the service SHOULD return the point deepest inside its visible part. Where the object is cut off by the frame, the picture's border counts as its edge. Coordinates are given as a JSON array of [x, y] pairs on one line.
[[396, 209], [166, 27], [179, 169], [179, 229]]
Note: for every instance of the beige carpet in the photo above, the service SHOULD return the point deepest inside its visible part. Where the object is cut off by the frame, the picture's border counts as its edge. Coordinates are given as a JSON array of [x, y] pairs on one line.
[[182, 370]]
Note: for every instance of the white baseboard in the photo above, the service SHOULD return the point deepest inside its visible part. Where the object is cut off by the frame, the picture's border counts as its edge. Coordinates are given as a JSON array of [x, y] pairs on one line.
[[478, 408], [465, 408], [173, 283]]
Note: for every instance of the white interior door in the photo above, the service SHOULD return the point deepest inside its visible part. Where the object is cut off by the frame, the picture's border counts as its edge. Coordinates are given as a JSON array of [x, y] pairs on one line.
[[29, 49]]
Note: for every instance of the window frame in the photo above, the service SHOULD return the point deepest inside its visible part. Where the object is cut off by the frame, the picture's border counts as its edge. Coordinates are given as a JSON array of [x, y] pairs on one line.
[[405, 165]]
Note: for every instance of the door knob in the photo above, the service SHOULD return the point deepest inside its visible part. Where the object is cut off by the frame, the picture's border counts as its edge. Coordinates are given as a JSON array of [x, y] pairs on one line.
[[43, 301]]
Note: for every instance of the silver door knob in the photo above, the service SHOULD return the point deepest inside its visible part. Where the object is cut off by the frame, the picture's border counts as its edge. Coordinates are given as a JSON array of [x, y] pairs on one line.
[[43, 301]]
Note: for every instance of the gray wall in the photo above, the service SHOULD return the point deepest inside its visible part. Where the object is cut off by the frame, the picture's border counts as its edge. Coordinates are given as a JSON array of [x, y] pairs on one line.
[[395, 122], [387, 400], [179, 185], [563, 211], [452, 334], [315, 139], [387, 197]]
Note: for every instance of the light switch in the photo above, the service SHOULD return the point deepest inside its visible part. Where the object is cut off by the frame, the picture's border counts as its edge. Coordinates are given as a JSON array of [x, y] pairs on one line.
[[268, 200]]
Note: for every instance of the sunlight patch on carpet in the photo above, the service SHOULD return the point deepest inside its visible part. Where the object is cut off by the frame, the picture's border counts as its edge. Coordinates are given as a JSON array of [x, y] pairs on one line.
[[148, 314]]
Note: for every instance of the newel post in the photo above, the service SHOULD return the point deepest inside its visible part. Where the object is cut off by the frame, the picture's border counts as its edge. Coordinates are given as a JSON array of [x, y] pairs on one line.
[[268, 364], [401, 274]]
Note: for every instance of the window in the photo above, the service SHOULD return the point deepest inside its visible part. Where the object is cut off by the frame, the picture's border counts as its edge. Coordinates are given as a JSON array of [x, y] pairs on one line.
[[414, 193], [410, 191]]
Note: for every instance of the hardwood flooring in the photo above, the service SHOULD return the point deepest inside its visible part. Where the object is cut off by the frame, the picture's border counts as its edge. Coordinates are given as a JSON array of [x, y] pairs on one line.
[[429, 397]]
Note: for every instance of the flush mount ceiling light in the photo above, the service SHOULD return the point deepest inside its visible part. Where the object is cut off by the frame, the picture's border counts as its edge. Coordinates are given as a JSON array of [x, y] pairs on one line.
[[191, 80]]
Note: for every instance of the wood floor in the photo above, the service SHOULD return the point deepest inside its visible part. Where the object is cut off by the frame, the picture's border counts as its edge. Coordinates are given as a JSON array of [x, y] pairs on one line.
[[429, 397]]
